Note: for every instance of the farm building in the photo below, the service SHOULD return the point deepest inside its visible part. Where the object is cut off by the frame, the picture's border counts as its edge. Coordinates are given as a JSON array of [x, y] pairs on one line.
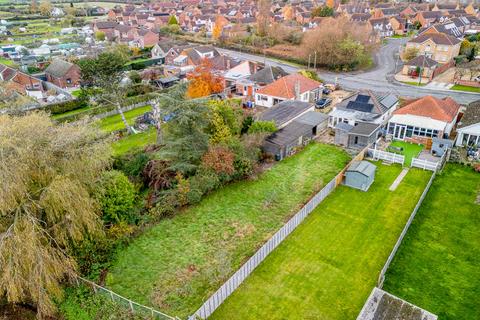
[[360, 175], [295, 134]]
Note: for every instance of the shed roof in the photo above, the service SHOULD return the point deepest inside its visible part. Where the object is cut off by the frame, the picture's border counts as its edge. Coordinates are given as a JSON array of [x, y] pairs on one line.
[[364, 167], [285, 111], [289, 133], [312, 118], [364, 129]]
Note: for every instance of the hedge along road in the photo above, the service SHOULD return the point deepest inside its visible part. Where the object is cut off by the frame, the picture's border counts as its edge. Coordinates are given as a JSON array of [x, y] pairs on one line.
[[328, 266], [181, 261]]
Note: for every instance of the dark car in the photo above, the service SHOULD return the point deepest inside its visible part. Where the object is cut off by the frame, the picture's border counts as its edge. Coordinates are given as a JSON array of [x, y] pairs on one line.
[[326, 91], [322, 103]]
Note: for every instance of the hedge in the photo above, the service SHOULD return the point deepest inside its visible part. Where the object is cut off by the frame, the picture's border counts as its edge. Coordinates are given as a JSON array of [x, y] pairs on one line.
[[66, 106]]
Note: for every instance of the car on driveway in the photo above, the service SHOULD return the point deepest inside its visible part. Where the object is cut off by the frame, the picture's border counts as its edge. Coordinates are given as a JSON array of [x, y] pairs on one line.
[[322, 103]]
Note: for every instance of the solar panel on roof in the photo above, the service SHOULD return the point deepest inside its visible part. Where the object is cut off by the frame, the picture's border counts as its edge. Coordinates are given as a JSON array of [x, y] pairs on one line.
[[362, 98], [360, 106]]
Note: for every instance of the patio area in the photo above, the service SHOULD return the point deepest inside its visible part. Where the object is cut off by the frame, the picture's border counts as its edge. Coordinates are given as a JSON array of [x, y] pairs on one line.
[[409, 150]]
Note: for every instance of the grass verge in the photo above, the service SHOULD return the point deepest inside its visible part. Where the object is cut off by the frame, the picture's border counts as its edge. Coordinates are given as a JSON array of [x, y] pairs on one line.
[[328, 266], [181, 261], [465, 88], [437, 266]]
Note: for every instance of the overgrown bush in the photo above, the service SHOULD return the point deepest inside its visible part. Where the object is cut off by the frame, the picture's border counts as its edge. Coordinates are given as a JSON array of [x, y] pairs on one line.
[[116, 196], [132, 164], [262, 126], [65, 106]]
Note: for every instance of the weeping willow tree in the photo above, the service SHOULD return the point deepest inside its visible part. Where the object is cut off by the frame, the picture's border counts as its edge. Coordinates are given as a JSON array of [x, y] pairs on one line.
[[47, 175]]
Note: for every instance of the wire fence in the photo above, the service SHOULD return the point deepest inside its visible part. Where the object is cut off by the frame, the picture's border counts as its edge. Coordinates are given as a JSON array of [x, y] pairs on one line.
[[134, 307], [381, 277], [238, 277]]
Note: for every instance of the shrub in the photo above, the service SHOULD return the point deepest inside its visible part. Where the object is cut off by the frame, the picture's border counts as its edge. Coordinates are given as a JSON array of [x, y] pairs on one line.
[[65, 106], [219, 159], [132, 164], [262, 126], [116, 196]]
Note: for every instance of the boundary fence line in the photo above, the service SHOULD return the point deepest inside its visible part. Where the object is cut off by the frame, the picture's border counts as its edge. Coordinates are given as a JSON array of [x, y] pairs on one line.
[[216, 299], [387, 156], [132, 305], [381, 277]]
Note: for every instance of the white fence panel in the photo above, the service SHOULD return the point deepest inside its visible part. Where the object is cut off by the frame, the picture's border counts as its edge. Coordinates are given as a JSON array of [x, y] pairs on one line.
[[247, 268], [387, 156], [425, 164]]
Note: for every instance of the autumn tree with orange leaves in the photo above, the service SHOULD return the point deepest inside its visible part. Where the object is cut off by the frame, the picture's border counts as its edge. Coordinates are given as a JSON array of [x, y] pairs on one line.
[[203, 82]]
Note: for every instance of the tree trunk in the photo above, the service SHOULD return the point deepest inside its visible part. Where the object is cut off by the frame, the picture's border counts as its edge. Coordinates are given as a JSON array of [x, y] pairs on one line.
[[158, 119], [120, 111]]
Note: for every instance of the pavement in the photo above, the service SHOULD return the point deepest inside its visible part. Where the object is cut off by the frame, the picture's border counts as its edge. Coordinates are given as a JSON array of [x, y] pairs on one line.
[[380, 78]]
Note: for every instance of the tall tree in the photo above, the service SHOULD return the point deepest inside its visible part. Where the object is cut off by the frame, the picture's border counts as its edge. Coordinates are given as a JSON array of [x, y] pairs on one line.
[[172, 20], [104, 75], [264, 8], [48, 175], [203, 82], [185, 139]]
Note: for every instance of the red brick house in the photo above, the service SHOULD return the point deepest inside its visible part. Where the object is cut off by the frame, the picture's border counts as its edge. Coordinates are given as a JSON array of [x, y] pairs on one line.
[[63, 74]]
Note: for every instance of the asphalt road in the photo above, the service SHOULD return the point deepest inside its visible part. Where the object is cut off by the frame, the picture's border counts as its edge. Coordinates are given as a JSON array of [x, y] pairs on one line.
[[380, 78]]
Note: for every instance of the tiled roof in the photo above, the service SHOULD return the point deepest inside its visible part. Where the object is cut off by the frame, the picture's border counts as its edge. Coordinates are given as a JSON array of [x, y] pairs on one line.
[[437, 38], [439, 109], [471, 115], [285, 86], [422, 61]]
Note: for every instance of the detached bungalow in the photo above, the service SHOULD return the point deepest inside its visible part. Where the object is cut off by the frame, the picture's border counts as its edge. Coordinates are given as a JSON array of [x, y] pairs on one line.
[[291, 87], [468, 129], [63, 73], [423, 119]]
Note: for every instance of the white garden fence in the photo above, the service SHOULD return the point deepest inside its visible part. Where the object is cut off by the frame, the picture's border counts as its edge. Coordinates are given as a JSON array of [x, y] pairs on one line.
[[238, 277], [387, 156], [136, 308], [425, 164]]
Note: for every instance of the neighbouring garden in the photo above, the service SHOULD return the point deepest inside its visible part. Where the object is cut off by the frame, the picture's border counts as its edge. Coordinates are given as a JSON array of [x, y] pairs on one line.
[[178, 263], [327, 267], [437, 265]]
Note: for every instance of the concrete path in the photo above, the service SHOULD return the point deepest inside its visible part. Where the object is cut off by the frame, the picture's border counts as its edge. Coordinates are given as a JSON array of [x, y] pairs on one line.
[[399, 179], [435, 85]]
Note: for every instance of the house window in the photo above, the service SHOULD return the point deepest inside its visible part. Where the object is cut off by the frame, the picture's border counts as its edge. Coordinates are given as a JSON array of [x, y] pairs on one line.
[[69, 81], [391, 127], [409, 132], [356, 140], [263, 98]]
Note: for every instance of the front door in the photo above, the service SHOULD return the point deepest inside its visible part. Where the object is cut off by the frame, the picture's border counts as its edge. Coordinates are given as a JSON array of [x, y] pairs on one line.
[[399, 132]]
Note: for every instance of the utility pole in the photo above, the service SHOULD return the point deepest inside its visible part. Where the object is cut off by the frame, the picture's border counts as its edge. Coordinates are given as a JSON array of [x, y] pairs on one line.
[[421, 71], [315, 62], [308, 67]]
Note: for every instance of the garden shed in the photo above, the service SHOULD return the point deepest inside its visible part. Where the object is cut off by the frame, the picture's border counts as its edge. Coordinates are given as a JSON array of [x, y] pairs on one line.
[[360, 175]]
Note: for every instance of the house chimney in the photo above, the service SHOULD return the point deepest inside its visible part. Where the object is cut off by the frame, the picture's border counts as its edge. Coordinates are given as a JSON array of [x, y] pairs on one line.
[[297, 90]]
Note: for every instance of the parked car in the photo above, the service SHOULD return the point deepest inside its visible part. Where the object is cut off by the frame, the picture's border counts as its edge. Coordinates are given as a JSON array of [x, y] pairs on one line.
[[326, 91], [322, 103]]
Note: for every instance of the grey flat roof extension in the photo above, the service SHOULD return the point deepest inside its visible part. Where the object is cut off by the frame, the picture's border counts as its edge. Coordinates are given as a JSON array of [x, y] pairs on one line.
[[285, 111]]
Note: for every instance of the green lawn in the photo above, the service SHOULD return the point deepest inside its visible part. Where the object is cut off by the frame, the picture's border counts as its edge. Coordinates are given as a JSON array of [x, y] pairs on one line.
[[178, 263], [328, 266], [114, 123], [465, 88], [410, 150], [133, 141], [438, 264]]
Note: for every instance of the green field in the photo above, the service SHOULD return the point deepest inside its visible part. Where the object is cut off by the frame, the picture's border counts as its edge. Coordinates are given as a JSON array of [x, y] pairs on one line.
[[410, 150], [178, 263], [114, 123], [134, 141], [328, 266], [438, 264], [465, 88]]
